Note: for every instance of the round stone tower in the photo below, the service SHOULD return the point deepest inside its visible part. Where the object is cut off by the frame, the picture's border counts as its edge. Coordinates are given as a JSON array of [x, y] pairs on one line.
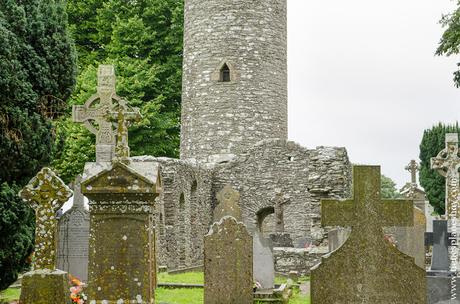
[[234, 76]]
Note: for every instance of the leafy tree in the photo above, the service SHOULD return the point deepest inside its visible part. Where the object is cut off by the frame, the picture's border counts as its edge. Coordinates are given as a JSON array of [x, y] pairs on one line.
[[433, 142], [37, 75], [388, 187], [144, 42], [450, 40]]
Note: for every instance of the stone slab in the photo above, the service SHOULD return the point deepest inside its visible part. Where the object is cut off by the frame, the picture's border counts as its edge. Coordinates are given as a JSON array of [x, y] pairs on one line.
[[45, 287], [228, 263], [264, 265]]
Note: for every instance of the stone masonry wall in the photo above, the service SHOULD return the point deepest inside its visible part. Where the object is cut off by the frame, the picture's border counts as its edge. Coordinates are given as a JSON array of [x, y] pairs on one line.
[[224, 118], [183, 213], [303, 176], [297, 259]]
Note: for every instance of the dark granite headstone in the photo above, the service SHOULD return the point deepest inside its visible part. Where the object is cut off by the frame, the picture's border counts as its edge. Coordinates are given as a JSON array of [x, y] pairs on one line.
[[367, 269], [440, 240], [73, 241], [228, 263]]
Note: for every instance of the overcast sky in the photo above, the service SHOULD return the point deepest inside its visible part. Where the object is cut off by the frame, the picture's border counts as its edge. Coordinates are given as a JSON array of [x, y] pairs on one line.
[[363, 75]]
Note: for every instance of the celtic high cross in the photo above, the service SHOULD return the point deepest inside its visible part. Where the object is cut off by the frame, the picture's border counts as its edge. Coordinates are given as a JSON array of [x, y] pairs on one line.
[[447, 164], [46, 193], [99, 113], [413, 168]]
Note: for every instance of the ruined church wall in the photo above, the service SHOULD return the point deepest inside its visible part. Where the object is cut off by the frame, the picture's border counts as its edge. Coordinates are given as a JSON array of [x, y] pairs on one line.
[[304, 176], [183, 213], [220, 118]]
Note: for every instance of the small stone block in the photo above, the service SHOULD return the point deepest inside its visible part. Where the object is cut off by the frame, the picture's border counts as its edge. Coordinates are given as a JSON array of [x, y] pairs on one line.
[[45, 287]]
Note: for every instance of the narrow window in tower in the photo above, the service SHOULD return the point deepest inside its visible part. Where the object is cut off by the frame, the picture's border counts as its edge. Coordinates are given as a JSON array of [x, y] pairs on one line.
[[225, 74]]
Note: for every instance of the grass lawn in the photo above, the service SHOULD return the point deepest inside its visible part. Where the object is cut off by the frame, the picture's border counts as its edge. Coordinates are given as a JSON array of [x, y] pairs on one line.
[[188, 278], [175, 296], [10, 294]]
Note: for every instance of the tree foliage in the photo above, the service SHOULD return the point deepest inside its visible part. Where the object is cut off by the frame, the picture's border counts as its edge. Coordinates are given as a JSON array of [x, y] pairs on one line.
[[433, 142], [16, 235], [388, 187], [37, 75], [143, 39], [450, 40]]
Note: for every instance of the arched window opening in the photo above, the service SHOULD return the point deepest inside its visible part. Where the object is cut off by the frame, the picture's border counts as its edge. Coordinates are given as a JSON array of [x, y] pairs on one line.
[[225, 73]]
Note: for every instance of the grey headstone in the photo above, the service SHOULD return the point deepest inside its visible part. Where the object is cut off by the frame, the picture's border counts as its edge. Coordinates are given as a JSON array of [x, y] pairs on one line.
[[264, 266], [73, 229], [439, 239], [228, 272]]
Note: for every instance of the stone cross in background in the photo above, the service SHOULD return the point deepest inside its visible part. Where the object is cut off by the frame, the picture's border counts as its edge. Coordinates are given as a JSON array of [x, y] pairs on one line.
[[228, 199], [440, 239], [447, 164], [413, 168], [46, 193], [367, 268], [98, 115], [123, 116], [280, 200]]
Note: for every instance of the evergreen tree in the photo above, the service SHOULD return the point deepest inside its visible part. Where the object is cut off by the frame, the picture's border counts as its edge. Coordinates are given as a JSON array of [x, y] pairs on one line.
[[434, 184], [144, 42], [450, 41], [37, 75]]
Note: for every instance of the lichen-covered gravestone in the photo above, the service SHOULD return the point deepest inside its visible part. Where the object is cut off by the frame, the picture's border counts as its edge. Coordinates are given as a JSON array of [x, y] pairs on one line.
[[122, 265], [73, 230], [45, 285], [228, 259], [228, 272], [367, 269]]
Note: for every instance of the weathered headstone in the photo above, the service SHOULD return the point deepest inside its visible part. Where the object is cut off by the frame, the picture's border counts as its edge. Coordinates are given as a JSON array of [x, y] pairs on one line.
[[45, 285], [228, 199], [228, 268], [367, 268], [264, 265], [122, 236], [73, 231]]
